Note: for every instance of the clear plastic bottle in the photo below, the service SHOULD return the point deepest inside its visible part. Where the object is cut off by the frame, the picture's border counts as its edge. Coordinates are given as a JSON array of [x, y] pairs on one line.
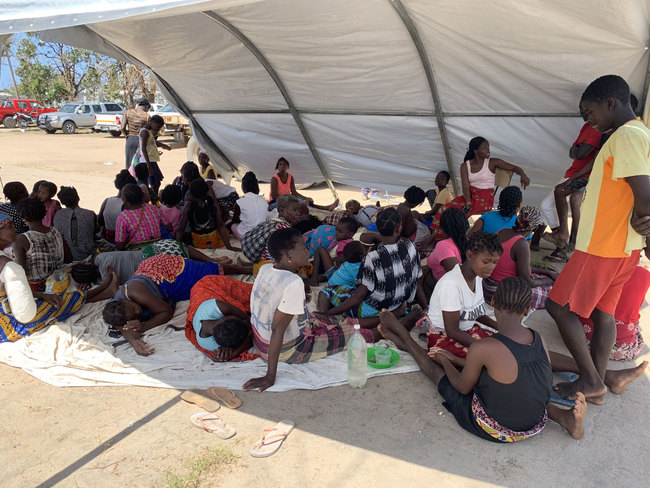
[[357, 359]]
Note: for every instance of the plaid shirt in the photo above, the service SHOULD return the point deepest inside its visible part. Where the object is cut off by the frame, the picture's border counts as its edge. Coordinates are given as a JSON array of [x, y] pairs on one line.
[[253, 244], [334, 218], [390, 273]]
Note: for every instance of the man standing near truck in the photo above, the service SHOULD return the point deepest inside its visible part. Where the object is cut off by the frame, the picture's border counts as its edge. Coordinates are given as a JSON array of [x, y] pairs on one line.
[[133, 121]]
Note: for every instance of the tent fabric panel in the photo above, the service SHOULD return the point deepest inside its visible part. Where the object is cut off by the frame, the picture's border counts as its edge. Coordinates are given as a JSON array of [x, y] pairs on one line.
[[224, 76], [514, 56], [254, 142], [358, 51], [387, 153]]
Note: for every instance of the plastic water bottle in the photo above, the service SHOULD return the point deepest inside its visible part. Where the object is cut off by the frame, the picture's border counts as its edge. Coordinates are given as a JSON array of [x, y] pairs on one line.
[[357, 359]]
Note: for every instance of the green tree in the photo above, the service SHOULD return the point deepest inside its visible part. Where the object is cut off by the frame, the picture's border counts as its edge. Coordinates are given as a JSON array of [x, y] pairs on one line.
[[53, 72]]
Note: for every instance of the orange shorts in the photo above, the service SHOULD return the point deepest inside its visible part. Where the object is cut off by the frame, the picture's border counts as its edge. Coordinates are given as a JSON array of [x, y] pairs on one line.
[[588, 282]]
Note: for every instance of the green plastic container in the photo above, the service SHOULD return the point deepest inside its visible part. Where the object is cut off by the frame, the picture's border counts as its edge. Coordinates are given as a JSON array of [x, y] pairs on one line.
[[394, 358]]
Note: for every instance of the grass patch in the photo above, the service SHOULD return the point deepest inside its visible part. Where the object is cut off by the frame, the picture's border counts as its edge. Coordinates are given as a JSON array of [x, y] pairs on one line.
[[210, 463]]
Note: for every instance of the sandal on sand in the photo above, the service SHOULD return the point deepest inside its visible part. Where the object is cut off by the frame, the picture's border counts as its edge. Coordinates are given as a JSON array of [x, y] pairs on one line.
[[213, 424], [271, 439], [557, 256], [224, 396], [201, 398]]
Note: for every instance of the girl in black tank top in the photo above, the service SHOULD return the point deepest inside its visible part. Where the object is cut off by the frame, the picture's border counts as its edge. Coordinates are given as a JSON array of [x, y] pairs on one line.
[[519, 405], [501, 393]]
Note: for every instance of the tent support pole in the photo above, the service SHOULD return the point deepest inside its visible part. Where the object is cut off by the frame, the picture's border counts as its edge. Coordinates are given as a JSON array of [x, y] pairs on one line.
[[433, 87], [646, 88], [177, 101], [283, 90]]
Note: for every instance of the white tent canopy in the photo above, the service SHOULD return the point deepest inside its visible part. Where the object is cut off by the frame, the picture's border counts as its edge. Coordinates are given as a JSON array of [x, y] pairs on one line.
[[380, 93]]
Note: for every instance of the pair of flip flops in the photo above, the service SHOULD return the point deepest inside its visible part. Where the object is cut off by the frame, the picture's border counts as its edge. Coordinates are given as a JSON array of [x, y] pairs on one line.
[[268, 443], [211, 398]]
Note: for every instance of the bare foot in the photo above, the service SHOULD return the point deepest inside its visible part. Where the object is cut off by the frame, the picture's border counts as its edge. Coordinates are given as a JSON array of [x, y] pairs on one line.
[[618, 380], [389, 336], [592, 393], [575, 416], [391, 328], [416, 314], [334, 205]]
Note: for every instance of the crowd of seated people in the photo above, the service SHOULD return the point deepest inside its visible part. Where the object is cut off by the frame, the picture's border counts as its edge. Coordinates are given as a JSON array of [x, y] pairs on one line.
[[381, 268]]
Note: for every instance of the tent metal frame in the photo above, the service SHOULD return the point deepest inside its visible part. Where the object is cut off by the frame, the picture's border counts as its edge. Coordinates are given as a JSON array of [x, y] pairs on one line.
[[295, 113], [390, 113], [433, 87]]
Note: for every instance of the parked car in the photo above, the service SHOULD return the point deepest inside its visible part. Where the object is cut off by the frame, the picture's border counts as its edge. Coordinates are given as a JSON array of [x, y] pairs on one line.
[[175, 123], [109, 119], [78, 115], [11, 106]]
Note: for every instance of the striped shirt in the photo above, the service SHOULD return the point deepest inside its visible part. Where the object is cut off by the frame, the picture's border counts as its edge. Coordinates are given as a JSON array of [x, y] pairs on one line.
[[135, 121]]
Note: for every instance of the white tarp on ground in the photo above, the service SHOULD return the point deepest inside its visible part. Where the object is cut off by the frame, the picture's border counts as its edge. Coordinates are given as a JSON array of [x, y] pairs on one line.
[[79, 353], [510, 70]]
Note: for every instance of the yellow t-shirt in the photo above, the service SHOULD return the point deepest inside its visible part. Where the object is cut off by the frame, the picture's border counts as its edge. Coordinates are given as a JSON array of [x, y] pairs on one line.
[[605, 228], [443, 197]]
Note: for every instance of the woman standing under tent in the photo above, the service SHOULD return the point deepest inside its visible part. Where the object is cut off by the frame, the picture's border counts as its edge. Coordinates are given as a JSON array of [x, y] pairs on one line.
[[133, 121]]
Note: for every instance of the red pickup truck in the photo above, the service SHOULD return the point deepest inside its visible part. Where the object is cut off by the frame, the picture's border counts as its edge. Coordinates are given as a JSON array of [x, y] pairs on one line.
[[9, 106]]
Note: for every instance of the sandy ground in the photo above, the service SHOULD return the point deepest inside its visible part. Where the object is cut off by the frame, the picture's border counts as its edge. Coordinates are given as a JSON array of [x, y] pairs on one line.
[[393, 432]]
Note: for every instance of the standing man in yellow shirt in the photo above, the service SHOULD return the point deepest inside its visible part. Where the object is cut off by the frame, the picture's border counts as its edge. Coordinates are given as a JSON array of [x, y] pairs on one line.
[[608, 247]]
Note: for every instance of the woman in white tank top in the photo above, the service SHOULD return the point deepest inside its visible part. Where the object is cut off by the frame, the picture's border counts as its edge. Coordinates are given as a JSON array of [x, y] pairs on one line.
[[477, 178]]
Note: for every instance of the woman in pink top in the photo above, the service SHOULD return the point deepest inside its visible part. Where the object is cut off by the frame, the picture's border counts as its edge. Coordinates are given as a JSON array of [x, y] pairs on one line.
[[282, 184], [139, 223], [515, 260], [449, 252], [477, 178], [46, 192]]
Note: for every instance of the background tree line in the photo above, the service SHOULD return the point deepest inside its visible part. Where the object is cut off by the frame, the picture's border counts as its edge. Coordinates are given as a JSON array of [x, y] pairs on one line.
[[54, 73]]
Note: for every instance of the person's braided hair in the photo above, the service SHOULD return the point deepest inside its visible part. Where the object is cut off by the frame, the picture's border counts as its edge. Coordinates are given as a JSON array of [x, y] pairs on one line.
[[484, 242], [454, 224], [513, 295], [414, 195], [14, 190], [84, 272], [249, 183], [509, 200], [231, 332], [123, 178], [474, 144], [115, 313], [68, 196], [32, 209], [132, 194], [388, 220]]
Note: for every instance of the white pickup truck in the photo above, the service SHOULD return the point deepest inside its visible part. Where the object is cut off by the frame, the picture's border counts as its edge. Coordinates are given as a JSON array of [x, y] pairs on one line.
[[109, 119]]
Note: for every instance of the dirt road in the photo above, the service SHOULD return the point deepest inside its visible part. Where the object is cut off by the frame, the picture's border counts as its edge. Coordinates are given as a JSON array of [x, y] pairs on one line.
[[392, 433]]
